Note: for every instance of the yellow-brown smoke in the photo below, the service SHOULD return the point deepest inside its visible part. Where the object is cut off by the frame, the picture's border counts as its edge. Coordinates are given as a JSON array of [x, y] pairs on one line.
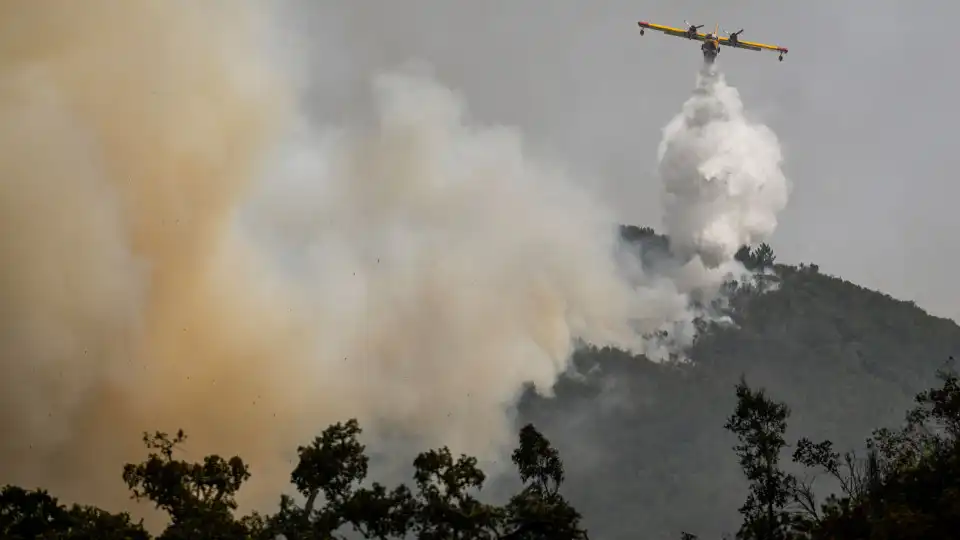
[[426, 269], [128, 134]]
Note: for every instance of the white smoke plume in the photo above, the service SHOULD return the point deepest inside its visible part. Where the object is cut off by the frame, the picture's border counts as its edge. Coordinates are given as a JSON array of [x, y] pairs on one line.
[[442, 266], [723, 186]]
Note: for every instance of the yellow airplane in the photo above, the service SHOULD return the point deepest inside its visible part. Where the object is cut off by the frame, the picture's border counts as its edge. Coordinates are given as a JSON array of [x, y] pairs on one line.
[[711, 42]]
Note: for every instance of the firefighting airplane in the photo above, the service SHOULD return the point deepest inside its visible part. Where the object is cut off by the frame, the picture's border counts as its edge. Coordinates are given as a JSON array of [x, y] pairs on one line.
[[711, 42]]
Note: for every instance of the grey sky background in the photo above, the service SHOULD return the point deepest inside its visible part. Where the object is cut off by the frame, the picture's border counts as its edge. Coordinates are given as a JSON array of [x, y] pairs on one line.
[[863, 105]]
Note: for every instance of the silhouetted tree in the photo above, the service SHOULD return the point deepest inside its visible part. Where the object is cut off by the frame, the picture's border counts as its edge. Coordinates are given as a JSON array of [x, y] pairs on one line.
[[907, 486], [759, 424], [199, 497], [539, 511], [758, 258], [911, 485], [763, 257], [28, 515]]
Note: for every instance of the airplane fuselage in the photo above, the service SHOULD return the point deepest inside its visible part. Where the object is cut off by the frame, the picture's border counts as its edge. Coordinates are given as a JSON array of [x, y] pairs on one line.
[[710, 48]]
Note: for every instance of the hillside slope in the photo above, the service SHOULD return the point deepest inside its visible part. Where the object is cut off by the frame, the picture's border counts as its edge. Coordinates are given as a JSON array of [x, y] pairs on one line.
[[644, 444]]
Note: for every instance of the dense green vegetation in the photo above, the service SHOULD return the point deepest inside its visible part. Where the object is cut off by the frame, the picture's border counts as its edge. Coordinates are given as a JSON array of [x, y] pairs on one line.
[[649, 450]]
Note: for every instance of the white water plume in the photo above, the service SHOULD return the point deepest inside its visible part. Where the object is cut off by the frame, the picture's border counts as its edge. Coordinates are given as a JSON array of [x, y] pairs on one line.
[[723, 186]]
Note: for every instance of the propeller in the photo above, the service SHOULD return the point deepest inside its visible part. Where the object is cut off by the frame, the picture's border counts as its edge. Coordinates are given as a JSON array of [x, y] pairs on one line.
[[686, 24], [737, 33]]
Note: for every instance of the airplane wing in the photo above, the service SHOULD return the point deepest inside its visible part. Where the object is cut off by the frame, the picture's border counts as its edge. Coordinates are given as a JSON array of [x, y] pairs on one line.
[[741, 44], [669, 30]]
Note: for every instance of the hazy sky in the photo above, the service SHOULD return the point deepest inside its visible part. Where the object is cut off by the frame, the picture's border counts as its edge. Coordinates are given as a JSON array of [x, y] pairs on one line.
[[864, 115]]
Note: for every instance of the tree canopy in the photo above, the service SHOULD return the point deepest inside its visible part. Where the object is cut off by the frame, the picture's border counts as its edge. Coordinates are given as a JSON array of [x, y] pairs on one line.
[[906, 485], [200, 498]]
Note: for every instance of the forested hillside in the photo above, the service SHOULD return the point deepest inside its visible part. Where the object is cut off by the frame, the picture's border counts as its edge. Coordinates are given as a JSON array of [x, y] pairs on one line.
[[645, 444], [642, 450]]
